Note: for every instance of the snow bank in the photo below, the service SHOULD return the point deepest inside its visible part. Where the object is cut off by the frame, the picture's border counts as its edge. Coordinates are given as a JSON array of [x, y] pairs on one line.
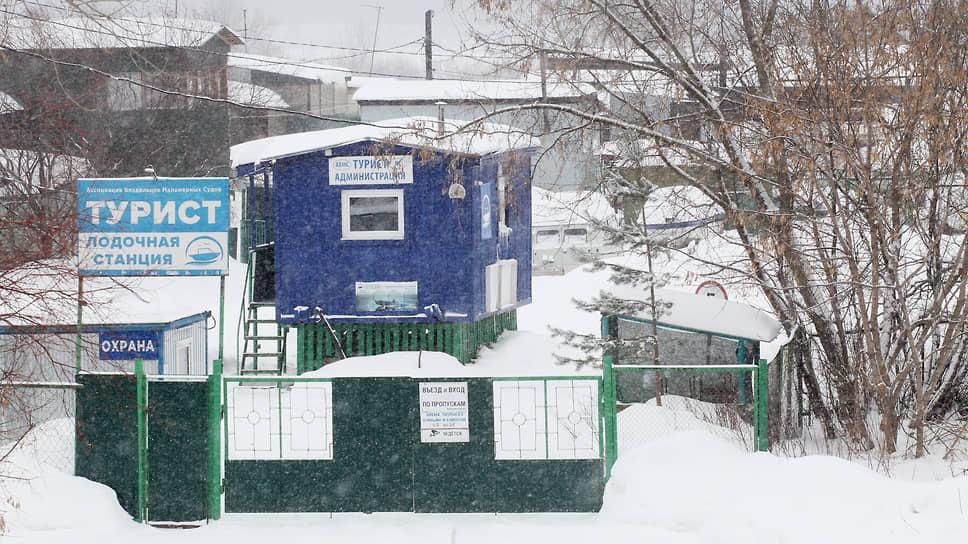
[[38, 493], [711, 489], [517, 353]]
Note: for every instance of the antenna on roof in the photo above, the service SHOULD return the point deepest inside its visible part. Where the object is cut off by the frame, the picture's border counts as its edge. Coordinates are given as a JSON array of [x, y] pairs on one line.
[[379, 10]]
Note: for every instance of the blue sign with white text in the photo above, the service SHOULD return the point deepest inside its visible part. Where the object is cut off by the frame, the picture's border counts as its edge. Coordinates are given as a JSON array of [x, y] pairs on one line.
[[128, 345], [144, 226]]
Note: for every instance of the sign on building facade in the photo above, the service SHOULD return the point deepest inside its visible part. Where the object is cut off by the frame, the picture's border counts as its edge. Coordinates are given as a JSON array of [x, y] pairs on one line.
[[128, 345], [143, 226], [371, 170]]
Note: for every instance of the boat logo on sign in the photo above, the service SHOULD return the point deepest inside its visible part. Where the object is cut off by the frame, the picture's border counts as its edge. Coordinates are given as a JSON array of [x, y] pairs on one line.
[[203, 250]]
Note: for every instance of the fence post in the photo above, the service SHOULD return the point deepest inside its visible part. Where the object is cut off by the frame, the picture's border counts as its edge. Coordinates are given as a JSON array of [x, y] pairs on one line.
[[141, 383], [762, 434], [608, 399], [214, 442]]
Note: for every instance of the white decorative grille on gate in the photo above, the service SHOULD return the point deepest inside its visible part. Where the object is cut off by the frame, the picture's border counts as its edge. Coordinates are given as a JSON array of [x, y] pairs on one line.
[[546, 419], [279, 420]]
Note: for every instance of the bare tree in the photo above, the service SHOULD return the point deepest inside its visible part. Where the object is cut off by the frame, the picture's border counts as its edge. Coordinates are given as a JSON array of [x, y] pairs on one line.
[[832, 134], [40, 162]]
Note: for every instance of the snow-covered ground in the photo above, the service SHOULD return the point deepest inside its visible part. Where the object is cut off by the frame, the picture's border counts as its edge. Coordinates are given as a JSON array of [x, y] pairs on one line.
[[690, 483]]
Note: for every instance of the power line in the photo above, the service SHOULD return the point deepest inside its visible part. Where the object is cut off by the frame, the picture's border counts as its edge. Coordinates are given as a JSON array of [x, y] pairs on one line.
[[170, 92], [451, 54], [493, 61], [360, 51], [106, 32]]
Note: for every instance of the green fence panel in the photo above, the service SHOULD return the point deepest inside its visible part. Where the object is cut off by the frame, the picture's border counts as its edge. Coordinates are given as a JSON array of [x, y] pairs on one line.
[[466, 477], [371, 435], [106, 445], [370, 470], [762, 435], [176, 456], [177, 451], [554, 485], [456, 477]]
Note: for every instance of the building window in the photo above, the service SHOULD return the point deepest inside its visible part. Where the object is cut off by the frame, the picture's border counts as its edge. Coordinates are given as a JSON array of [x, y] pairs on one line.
[[547, 239], [373, 214], [576, 236]]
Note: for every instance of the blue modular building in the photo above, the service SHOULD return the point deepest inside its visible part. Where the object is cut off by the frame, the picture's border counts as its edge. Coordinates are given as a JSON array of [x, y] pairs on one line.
[[398, 237]]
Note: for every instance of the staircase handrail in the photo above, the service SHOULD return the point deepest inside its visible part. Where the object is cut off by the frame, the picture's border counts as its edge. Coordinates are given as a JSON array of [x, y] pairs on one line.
[[240, 334]]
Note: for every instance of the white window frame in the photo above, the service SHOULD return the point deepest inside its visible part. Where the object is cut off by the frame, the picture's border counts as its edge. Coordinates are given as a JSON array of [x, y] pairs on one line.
[[374, 234]]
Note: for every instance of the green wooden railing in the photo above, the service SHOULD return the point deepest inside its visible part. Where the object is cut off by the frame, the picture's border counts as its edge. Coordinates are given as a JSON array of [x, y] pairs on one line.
[[314, 343]]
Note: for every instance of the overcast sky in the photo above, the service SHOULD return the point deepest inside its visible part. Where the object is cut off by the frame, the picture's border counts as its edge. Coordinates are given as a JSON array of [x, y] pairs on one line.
[[342, 32]]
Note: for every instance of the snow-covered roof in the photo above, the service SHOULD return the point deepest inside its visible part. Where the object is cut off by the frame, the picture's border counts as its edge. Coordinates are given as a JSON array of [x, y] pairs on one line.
[[115, 33], [247, 93], [289, 67], [414, 132], [702, 313], [46, 294], [393, 90], [568, 207]]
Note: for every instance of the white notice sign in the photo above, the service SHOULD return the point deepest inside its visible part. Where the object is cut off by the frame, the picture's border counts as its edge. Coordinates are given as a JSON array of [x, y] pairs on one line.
[[371, 170], [443, 412]]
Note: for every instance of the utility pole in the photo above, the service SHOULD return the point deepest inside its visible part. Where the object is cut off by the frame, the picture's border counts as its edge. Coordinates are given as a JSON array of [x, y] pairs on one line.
[[428, 42], [379, 11], [543, 59]]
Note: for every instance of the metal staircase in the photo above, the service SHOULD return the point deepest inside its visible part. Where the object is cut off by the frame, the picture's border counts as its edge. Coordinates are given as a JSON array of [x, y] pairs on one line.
[[264, 348], [263, 340]]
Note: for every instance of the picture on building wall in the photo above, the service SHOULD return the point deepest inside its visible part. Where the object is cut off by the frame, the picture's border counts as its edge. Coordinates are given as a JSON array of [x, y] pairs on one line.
[[386, 296]]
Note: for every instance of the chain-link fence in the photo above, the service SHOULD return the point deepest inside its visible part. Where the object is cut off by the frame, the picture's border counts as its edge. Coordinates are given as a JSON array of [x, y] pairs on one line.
[[653, 404], [36, 428], [664, 380]]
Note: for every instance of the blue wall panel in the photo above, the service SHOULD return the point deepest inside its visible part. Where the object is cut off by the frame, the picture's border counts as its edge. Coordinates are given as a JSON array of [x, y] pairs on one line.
[[442, 250]]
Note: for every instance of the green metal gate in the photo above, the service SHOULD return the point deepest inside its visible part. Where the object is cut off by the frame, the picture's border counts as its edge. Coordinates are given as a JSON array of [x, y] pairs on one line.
[[149, 439]]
